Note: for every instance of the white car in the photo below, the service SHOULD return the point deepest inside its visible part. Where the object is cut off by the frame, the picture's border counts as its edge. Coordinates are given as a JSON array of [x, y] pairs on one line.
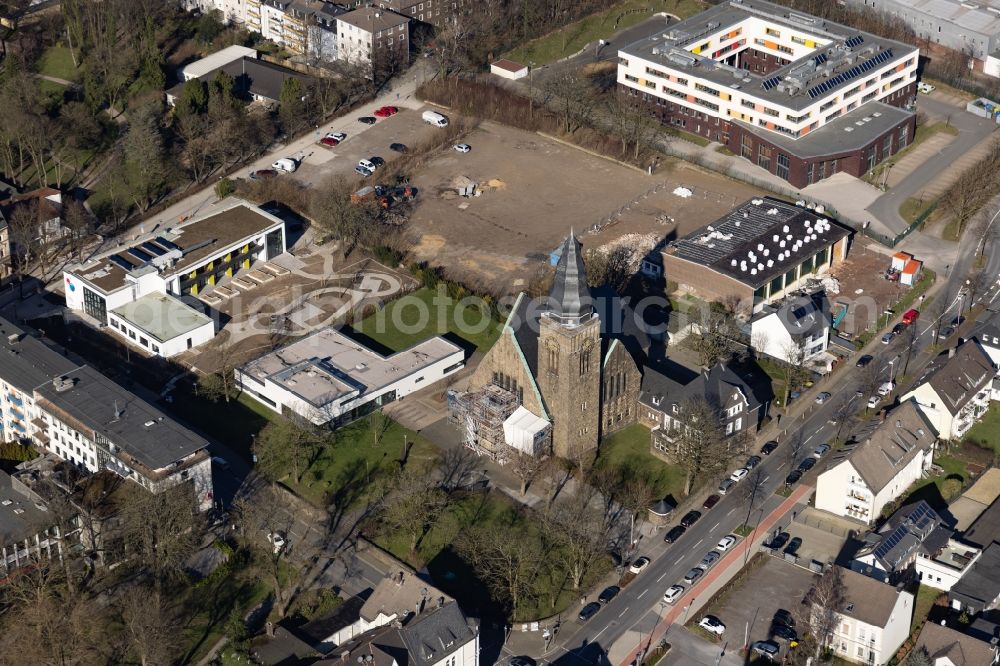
[[366, 164], [286, 164], [886, 388], [638, 565], [725, 543], [739, 474], [673, 593], [713, 625], [873, 401], [277, 539], [925, 88], [463, 147], [337, 136]]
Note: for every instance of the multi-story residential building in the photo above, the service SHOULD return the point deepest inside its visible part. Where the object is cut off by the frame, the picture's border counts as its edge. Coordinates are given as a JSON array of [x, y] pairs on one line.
[[955, 389], [134, 293], [864, 476], [874, 621], [46, 208], [948, 647], [801, 97], [80, 416], [756, 254], [6, 257], [328, 378], [795, 330], [915, 540], [663, 400], [374, 37], [231, 12], [28, 531], [436, 12]]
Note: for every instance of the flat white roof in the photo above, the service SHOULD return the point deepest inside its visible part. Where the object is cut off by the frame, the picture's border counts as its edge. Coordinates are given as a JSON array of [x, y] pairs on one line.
[[162, 317], [200, 68], [329, 366]]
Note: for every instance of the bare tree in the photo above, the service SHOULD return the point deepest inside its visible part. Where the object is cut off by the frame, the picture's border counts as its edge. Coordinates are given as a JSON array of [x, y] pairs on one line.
[[288, 447], [525, 467], [752, 492], [792, 371], [415, 503], [378, 425], [506, 559], [258, 521], [823, 604], [222, 383], [580, 530], [148, 625], [573, 98], [698, 441], [715, 335]]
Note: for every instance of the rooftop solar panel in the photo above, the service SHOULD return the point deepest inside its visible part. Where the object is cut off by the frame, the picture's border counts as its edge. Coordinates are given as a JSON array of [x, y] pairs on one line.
[[122, 262], [142, 256], [153, 248]]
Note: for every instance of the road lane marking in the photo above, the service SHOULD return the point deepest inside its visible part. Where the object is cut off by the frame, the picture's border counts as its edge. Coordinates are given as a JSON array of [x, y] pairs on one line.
[[661, 577], [716, 525], [643, 592], [699, 542], [623, 612], [678, 560]]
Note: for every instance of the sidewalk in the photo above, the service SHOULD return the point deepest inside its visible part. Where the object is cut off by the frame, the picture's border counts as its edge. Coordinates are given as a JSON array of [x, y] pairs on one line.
[[625, 650]]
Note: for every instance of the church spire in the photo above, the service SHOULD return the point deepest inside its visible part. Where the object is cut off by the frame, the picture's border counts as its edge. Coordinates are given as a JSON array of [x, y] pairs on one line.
[[569, 300]]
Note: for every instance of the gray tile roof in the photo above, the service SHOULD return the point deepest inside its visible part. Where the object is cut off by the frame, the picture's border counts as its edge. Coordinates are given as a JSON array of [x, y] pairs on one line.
[[256, 77], [714, 385], [913, 528], [958, 648], [903, 435], [27, 362], [759, 240], [435, 634], [985, 529], [957, 379], [867, 600]]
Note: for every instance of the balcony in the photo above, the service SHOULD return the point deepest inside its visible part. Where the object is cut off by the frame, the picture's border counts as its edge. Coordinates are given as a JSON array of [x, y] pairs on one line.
[[14, 400]]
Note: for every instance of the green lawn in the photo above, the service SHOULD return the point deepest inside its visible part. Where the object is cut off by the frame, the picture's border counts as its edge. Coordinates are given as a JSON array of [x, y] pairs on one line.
[[986, 433], [930, 489], [914, 207], [343, 472], [572, 38], [426, 313], [57, 62], [233, 423], [552, 589], [922, 605], [628, 451]]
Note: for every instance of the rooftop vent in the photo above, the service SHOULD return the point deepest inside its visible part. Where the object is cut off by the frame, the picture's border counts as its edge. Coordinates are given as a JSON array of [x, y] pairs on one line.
[[63, 384], [13, 338]]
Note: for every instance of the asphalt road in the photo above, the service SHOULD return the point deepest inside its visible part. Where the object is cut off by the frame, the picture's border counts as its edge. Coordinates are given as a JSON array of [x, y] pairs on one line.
[[971, 131], [637, 607]]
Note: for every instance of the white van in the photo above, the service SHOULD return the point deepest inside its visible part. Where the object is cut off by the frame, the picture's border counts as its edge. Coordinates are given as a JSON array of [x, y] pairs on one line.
[[886, 388], [435, 118], [286, 164]]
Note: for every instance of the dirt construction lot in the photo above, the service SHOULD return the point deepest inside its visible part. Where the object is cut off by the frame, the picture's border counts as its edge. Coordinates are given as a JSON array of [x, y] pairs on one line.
[[533, 190]]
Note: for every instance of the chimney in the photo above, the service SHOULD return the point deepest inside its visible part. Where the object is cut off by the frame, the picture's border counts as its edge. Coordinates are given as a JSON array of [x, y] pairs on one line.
[[440, 602], [13, 338]]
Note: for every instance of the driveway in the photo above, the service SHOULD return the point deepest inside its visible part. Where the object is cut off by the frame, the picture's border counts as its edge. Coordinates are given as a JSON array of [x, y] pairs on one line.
[[968, 146]]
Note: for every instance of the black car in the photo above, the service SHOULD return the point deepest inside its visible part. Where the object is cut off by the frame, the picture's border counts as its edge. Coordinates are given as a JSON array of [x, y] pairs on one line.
[[958, 321], [521, 661], [769, 448], [752, 462], [690, 518], [368, 120], [793, 477], [711, 501], [865, 360], [807, 464], [398, 147], [675, 534], [782, 616], [589, 611], [779, 540], [608, 594], [785, 632], [946, 332], [377, 161], [793, 546], [898, 328]]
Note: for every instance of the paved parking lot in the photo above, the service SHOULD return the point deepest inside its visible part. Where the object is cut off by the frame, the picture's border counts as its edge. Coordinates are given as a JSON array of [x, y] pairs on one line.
[[363, 141], [750, 607]]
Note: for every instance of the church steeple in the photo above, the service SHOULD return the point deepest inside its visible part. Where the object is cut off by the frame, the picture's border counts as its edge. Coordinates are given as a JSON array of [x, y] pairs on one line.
[[569, 301]]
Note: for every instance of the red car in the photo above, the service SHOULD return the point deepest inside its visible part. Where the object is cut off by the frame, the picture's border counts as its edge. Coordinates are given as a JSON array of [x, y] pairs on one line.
[[910, 316], [329, 142], [386, 111]]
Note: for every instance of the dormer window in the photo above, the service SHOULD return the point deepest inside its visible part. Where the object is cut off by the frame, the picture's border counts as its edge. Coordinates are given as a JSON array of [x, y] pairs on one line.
[[673, 408], [657, 399]]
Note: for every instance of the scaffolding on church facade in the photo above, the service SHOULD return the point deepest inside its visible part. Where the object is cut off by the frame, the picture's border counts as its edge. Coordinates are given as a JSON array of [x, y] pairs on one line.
[[480, 415]]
